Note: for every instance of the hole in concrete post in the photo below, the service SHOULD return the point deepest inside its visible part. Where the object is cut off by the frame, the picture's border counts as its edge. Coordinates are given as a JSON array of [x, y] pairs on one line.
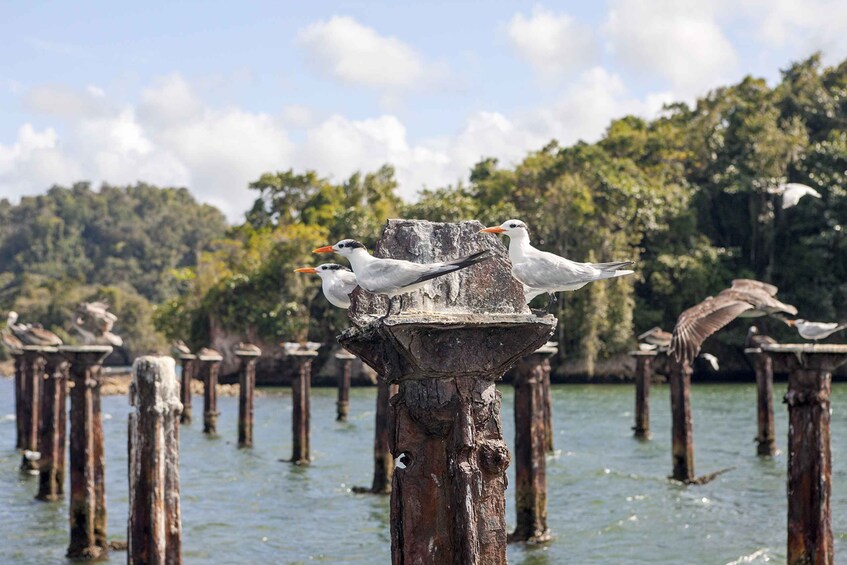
[[402, 461]]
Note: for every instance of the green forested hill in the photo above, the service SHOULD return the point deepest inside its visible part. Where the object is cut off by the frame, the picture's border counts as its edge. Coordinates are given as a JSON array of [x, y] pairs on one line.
[[125, 244]]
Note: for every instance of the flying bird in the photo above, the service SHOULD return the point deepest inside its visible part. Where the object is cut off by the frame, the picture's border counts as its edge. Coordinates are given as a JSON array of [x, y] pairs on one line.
[[337, 282], [815, 330], [540, 271], [393, 277], [712, 361], [755, 340], [744, 299], [29, 334], [656, 336], [792, 192]]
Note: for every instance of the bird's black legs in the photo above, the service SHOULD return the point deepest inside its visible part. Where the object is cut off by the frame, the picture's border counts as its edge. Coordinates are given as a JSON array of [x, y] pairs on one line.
[[390, 304]]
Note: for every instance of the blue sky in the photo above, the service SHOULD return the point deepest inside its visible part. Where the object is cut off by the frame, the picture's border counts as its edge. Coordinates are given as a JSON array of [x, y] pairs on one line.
[[211, 94]]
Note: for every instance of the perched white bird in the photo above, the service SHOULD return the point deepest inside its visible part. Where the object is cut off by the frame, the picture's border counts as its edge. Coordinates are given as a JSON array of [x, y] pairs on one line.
[[815, 330], [393, 277], [792, 192], [541, 272], [711, 360], [31, 335], [647, 347], [337, 282]]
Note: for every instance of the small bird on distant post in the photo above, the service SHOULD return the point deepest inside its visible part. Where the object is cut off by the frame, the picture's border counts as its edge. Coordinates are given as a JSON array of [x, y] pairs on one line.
[[815, 330]]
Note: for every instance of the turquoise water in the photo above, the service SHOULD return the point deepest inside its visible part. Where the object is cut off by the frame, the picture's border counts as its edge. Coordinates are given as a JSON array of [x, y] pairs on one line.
[[609, 500]]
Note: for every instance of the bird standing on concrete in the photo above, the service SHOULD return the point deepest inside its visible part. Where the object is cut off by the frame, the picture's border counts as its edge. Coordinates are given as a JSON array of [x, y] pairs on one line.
[[656, 336], [31, 335], [746, 298], [337, 282], [815, 330], [541, 272], [94, 323], [792, 192], [755, 340], [393, 277]]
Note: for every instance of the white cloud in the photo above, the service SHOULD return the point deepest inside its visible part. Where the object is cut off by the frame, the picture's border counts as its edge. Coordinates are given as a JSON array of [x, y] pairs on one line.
[[173, 137], [803, 26], [553, 43], [358, 55], [64, 102], [679, 40]]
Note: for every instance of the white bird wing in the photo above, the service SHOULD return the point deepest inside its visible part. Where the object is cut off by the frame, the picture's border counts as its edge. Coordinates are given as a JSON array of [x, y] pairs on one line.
[[390, 274], [347, 281], [548, 271], [794, 192]]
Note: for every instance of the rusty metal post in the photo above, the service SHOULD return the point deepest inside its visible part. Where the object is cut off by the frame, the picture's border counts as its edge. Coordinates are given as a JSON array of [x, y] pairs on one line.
[[766, 437], [210, 366], [154, 529], [301, 389], [681, 428], [530, 447], [345, 372], [643, 374], [188, 362], [20, 393], [32, 378], [446, 349], [51, 480], [87, 458], [548, 403], [809, 458], [247, 385]]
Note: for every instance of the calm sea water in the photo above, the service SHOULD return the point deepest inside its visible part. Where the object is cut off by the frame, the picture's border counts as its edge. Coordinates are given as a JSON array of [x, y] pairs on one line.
[[609, 499]]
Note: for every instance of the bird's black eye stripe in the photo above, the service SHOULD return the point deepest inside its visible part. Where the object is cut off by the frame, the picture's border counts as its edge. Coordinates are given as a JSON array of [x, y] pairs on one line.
[[340, 245], [513, 225]]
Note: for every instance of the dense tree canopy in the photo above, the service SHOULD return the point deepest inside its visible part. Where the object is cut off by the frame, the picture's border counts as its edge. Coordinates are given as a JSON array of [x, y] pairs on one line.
[[689, 196]]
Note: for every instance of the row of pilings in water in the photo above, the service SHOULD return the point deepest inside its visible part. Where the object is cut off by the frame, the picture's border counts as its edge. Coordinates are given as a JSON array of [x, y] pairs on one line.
[[42, 374], [439, 440]]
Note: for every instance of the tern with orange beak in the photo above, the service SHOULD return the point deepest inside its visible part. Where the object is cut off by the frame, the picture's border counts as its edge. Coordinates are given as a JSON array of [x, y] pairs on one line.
[[337, 282], [393, 277], [815, 330], [541, 271]]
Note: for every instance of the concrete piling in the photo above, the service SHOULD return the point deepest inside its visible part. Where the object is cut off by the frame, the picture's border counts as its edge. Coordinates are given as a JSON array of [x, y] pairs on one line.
[[33, 375], [810, 370], [301, 389], [210, 367], [247, 385], [154, 528], [531, 447], [87, 458], [188, 362], [383, 461], [643, 374], [765, 436], [51, 481], [445, 352], [681, 427], [548, 404], [345, 372]]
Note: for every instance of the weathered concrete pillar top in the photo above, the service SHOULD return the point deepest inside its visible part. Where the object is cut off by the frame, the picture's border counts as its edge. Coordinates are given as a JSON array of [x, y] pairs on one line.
[[94, 353], [639, 353], [479, 311], [296, 349], [187, 357], [207, 354], [343, 355], [38, 349], [823, 357], [160, 373], [247, 350]]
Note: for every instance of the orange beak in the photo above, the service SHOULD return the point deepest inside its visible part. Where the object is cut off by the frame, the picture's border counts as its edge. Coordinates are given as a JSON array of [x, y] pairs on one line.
[[324, 249], [310, 270], [496, 229], [790, 322]]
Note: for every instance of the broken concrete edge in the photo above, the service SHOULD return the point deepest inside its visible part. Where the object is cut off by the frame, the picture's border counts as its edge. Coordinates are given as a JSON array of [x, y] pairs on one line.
[[187, 356], [213, 358], [38, 349], [804, 348], [343, 355], [642, 353], [85, 349], [246, 353]]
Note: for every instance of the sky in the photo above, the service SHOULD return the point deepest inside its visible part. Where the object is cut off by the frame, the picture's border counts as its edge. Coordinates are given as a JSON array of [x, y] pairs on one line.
[[209, 95]]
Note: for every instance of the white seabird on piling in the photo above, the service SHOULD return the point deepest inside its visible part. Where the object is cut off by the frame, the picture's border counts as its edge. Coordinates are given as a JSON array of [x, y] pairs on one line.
[[337, 282], [815, 330]]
